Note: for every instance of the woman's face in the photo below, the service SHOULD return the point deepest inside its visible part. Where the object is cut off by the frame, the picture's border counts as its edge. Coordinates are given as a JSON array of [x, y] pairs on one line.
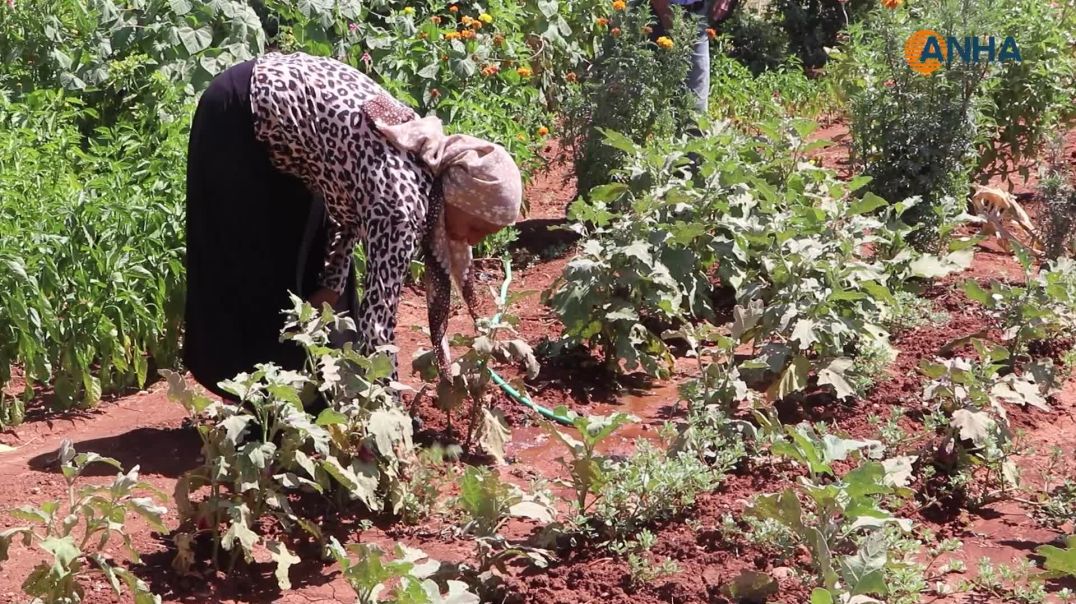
[[465, 227]]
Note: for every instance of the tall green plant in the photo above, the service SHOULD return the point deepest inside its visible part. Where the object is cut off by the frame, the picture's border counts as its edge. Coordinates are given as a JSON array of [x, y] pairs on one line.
[[916, 136], [634, 86]]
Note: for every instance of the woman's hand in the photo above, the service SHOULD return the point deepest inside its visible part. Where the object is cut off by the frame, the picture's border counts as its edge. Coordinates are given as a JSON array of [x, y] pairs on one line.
[[324, 295]]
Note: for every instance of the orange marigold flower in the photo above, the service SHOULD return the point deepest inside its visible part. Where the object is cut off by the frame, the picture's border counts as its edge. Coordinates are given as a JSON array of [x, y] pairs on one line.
[[498, 39], [665, 42], [467, 34], [543, 131], [619, 5], [453, 9], [436, 20], [452, 35], [892, 4], [465, 20], [570, 76], [524, 72], [476, 24], [602, 21], [615, 32], [711, 33]]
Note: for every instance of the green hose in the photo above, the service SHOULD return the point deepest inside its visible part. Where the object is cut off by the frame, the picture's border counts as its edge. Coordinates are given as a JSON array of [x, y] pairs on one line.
[[512, 393]]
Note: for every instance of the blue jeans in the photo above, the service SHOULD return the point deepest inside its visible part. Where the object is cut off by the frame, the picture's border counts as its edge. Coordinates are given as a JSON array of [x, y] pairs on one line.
[[698, 77]]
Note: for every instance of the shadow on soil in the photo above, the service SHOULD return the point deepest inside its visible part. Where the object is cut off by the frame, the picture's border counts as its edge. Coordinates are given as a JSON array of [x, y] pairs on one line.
[[160, 451]]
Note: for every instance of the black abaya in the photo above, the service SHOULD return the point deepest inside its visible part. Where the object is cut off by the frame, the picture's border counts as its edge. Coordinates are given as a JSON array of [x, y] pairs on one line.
[[247, 226]]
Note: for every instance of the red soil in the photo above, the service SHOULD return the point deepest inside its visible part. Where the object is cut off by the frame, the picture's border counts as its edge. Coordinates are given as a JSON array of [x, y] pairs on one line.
[[148, 430]]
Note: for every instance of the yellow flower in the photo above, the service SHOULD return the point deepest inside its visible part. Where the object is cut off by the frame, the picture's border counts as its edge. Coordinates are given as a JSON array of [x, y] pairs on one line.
[[486, 18], [892, 4], [521, 137], [524, 72], [408, 10], [665, 42], [452, 35], [543, 131], [619, 5]]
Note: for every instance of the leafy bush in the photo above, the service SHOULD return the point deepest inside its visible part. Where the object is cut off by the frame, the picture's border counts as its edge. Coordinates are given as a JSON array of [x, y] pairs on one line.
[[259, 451], [915, 135], [754, 40], [92, 287], [487, 502], [102, 513], [922, 136], [634, 87], [651, 485], [812, 26], [768, 225], [970, 397], [1043, 308], [1027, 102], [1057, 219], [750, 100], [843, 522], [589, 470], [471, 373]]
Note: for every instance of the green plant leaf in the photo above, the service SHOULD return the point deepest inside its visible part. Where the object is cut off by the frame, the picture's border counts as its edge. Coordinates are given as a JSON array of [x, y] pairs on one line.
[[976, 293], [63, 550], [195, 40], [241, 532], [792, 379], [9, 535], [821, 596], [284, 561], [148, 509], [834, 375], [391, 429], [868, 203], [976, 426], [1059, 562], [750, 586]]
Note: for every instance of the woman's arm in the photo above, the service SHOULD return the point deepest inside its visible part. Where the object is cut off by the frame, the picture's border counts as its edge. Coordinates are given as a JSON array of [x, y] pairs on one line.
[[392, 233], [339, 246]]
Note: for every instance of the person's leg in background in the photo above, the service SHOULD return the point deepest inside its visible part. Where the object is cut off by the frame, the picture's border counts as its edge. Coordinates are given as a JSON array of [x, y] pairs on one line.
[[698, 78]]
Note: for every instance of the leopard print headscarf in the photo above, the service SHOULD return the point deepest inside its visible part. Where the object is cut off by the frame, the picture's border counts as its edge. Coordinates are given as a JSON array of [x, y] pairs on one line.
[[474, 175]]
